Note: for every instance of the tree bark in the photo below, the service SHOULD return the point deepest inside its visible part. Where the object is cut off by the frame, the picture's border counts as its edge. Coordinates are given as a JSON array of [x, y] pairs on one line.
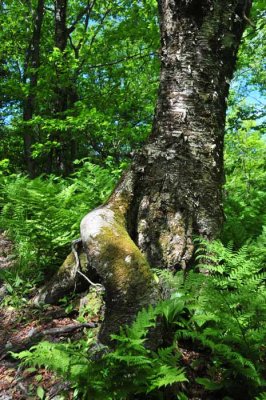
[[61, 24], [31, 76], [173, 189], [55, 159], [60, 160]]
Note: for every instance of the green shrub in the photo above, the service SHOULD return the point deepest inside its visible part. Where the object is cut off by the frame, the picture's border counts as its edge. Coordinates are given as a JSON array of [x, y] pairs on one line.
[[245, 167]]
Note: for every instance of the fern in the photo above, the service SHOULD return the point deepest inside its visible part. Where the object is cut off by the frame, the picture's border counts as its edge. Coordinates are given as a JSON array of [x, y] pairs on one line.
[[130, 369], [42, 215], [222, 314], [226, 315], [227, 311]]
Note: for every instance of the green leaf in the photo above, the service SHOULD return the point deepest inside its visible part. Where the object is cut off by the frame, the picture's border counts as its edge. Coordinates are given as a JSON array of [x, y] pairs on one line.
[[40, 392], [208, 384]]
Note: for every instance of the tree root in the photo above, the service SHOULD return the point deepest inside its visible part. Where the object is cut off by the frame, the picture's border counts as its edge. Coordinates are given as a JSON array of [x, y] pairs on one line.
[[64, 281], [107, 251], [123, 269]]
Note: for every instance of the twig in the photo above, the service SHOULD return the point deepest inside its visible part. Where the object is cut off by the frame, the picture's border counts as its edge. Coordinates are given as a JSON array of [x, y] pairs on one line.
[[246, 8], [249, 21], [74, 251], [137, 56]]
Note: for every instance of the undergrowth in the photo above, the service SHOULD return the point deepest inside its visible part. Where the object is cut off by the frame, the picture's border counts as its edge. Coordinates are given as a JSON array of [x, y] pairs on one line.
[[42, 215], [220, 315]]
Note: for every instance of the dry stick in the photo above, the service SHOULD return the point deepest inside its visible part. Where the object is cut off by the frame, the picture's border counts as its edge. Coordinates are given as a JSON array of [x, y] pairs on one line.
[[63, 329]]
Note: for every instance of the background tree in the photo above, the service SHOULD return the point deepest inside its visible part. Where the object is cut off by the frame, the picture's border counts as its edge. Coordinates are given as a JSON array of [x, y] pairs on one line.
[[30, 78], [82, 70]]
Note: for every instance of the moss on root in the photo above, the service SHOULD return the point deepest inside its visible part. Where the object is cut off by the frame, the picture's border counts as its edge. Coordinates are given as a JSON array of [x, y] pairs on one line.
[[122, 263], [124, 270]]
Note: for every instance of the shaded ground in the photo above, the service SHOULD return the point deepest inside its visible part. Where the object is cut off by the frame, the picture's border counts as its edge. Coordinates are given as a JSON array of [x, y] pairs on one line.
[[16, 332], [19, 383], [21, 328]]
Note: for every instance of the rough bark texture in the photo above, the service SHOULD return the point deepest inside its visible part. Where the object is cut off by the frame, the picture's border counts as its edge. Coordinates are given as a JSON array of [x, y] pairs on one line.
[[179, 187], [60, 24], [173, 188]]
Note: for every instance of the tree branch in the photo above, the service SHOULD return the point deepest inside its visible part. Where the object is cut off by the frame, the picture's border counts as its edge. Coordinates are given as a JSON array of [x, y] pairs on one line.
[[80, 15], [136, 56], [100, 25]]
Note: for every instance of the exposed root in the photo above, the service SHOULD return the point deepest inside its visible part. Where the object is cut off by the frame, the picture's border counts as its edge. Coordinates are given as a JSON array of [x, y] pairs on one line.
[[77, 271], [63, 282], [108, 250], [125, 273]]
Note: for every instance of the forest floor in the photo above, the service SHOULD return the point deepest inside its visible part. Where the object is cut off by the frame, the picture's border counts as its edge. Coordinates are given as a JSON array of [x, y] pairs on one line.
[[23, 326]]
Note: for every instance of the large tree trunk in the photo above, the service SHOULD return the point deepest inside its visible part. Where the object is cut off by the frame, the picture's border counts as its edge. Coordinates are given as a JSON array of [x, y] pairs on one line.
[[32, 64], [173, 189]]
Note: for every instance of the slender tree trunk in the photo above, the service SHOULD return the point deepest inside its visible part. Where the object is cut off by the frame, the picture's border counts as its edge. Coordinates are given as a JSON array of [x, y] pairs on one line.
[[61, 24], [55, 161], [173, 189], [65, 96], [31, 76]]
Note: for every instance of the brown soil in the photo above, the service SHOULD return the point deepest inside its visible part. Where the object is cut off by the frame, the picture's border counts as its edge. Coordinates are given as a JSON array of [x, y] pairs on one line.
[[17, 325]]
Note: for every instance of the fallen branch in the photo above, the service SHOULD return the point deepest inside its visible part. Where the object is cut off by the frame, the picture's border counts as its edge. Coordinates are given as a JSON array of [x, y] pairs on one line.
[[58, 331], [36, 335]]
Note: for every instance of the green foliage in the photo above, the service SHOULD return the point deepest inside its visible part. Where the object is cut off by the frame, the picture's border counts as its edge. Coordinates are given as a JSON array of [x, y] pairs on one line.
[[227, 317], [108, 72], [43, 215], [221, 315], [245, 146], [130, 369], [245, 166], [251, 58], [111, 66], [17, 289]]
